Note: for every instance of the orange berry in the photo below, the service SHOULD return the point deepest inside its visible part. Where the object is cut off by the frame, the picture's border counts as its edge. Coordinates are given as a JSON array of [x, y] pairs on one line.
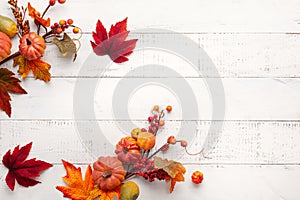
[[61, 1], [169, 108], [156, 108], [70, 21], [75, 30], [62, 22], [59, 31], [197, 177], [161, 123], [171, 140]]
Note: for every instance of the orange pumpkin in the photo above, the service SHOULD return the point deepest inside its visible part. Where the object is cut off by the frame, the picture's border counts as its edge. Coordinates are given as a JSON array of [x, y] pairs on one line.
[[5, 46], [32, 46], [108, 173], [127, 150], [146, 140]]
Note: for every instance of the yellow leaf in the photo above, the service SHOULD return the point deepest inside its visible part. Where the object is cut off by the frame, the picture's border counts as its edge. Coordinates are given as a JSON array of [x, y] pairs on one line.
[[39, 68]]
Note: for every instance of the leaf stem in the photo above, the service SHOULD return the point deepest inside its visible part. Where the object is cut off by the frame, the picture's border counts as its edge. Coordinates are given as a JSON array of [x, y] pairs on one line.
[[157, 151], [44, 13]]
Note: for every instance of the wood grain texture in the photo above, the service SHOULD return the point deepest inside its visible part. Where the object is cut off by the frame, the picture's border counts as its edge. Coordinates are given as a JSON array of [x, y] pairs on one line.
[[194, 16], [254, 45], [234, 55], [220, 182], [240, 142], [245, 99]]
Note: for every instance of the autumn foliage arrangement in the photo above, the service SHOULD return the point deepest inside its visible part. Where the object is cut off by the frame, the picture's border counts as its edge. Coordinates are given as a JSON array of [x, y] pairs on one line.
[[109, 177], [33, 41]]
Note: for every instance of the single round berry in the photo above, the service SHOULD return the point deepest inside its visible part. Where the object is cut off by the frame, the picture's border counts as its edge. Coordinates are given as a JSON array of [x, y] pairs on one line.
[[56, 24], [70, 21], [62, 22], [169, 108], [172, 140], [150, 119], [75, 30], [61, 1], [183, 143], [52, 27], [197, 177], [59, 30], [144, 130], [52, 2], [161, 123], [156, 108]]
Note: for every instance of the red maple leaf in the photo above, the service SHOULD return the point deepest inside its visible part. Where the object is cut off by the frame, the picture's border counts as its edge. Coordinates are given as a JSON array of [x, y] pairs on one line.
[[114, 43], [21, 170], [8, 84]]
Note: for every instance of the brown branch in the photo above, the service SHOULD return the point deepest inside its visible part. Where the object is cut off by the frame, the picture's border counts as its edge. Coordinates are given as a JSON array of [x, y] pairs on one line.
[[10, 57]]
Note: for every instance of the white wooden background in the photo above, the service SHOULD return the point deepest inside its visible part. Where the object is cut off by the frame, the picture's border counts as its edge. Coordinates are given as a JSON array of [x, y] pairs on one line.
[[255, 46]]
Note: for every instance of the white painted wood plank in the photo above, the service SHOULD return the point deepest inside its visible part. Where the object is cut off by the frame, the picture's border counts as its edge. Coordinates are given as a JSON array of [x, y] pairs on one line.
[[245, 99], [220, 182], [234, 55], [240, 142], [191, 16]]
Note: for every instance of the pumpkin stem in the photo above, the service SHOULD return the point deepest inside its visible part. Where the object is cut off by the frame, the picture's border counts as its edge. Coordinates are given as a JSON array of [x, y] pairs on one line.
[[28, 42], [107, 174]]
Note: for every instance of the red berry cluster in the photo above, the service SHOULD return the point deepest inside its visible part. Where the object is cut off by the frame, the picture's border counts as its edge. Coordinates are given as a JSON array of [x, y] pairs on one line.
[[154, 123], [151, 175], [62, 25]]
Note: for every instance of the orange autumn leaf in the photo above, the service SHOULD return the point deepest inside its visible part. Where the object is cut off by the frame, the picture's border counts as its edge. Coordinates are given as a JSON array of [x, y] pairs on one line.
[[175, 170], [37, 16], [39, 68], [78, 189], [110, 195]]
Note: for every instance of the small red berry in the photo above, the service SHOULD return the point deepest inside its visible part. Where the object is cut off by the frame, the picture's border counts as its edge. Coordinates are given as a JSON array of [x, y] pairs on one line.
[[61, 1], [171, 140], [197, 177], [59, 30], [70, 21], [56, 24], [183, 143], [144, 130], [169, 108], [75, 30], [52, 2], [52, 27], [150, 119]]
